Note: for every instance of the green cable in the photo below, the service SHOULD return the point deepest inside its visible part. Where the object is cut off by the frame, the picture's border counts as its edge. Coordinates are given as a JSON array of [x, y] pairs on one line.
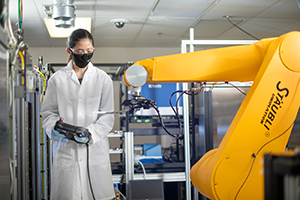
[[20, 15]]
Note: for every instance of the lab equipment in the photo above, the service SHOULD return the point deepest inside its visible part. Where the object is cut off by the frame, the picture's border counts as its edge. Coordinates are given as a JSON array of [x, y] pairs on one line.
[[151, 154], [160, 93], [140, 189]]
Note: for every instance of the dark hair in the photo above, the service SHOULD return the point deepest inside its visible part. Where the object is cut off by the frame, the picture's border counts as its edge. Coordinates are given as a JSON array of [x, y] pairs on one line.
[[76, 36]]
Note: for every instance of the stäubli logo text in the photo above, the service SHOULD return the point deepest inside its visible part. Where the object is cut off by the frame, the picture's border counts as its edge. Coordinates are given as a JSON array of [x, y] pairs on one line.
[[275, 103]]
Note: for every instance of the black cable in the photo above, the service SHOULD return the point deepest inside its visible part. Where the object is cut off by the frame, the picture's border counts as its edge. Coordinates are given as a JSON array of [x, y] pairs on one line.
[[255, 156], [232, 86], [177, 110], [237, 88], [162, 123], [88, 169], [170, 102], [241, 29]]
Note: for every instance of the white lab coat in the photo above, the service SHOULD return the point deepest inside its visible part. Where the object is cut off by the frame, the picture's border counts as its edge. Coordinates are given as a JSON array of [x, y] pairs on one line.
[[74, 102]]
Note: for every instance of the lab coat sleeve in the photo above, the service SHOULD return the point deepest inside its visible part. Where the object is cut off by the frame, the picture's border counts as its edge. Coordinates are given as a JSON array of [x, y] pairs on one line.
[[49, 110], [103, 125]]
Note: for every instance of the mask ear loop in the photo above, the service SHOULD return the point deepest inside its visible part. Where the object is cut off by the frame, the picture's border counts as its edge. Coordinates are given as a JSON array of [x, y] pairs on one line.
[[70, 49]]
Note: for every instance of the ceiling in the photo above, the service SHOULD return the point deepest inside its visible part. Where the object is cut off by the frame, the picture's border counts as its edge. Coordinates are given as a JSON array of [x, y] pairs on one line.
[[164, 23]]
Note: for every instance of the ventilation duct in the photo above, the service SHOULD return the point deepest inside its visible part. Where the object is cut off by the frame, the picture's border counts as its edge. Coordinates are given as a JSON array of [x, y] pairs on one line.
[[63, 10], [65, 23]]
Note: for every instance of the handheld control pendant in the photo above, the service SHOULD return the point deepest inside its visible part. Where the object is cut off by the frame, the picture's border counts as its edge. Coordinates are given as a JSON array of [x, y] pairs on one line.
[[70, 130]]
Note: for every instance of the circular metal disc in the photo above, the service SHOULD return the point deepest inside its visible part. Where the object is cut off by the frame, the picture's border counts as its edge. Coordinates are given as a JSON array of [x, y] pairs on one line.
[[136, 75]]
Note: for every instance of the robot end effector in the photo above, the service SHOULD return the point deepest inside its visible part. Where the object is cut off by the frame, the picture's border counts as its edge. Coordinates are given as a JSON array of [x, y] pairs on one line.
[[135, 77]]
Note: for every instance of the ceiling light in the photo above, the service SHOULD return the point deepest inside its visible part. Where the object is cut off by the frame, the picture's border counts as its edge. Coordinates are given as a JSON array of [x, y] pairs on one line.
[[55, 32]]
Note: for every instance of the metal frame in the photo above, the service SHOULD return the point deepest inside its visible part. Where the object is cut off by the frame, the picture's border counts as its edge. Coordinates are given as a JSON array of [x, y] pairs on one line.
[[31, 179], [21, 146], [6, 172], [129, 158], [129, 165]]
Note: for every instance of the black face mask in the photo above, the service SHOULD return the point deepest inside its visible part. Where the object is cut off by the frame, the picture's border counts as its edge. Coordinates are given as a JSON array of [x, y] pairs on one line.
[[82, 60]]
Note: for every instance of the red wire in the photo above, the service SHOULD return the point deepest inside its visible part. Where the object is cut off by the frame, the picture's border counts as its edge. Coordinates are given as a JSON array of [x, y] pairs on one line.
[[22, 12]]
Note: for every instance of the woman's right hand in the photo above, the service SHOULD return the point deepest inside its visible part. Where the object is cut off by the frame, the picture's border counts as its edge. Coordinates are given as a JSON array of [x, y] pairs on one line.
[[57, 133]]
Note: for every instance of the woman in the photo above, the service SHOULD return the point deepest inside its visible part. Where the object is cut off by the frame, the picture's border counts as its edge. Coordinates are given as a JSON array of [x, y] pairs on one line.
[[74, 93]]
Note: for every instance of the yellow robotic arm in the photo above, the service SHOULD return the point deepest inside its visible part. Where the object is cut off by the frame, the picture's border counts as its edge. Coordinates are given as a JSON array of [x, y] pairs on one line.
[[262, 124]]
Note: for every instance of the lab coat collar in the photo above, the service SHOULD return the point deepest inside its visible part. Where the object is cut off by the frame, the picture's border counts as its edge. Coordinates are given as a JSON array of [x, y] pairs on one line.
[[88, 73]]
